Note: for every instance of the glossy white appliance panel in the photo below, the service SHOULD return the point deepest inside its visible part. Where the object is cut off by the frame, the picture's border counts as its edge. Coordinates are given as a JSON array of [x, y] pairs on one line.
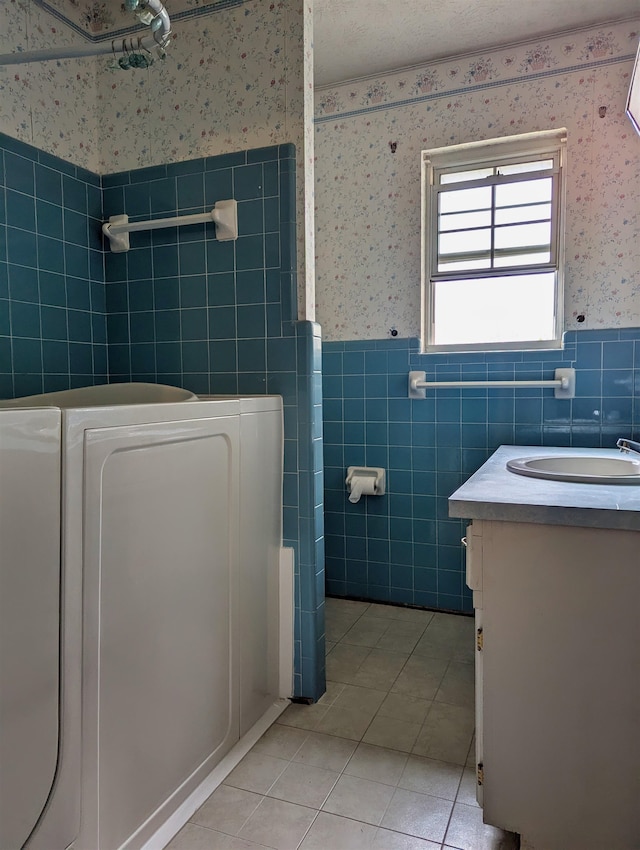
[[29, 618], [259, 554], [160, 680], [58, 827]]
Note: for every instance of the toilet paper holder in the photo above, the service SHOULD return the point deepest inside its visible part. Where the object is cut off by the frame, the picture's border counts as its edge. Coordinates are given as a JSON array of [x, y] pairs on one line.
[[364, 481]]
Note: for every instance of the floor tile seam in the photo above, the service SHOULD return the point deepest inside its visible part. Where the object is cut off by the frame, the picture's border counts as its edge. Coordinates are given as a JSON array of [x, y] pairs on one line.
[[448, 702], [279, 800], [472, 747], [380, 748], [308, 829], [413, 834], [282, 726], [433, 794], [387, 689], [368, 823], [414, 753], [343, 642], [349, 643], [446, 670], [306, 738], [282, 799], [247, 819], [224, 831], [375, 781], [296, 802], [384, 649], [447, 829], [464, 767]]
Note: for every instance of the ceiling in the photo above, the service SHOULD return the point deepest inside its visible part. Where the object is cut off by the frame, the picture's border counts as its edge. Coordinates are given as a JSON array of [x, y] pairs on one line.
[[359, 38]]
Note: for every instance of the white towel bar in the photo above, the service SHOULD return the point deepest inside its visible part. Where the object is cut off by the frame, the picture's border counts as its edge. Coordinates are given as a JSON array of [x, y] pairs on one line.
[[564, 384], [224, 215]]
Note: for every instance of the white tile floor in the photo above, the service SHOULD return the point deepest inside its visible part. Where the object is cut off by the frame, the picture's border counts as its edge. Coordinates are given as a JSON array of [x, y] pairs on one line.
[[384, 760]]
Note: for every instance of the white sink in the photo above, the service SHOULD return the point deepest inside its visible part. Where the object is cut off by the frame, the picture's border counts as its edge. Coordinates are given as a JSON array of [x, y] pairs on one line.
[[584, 469]]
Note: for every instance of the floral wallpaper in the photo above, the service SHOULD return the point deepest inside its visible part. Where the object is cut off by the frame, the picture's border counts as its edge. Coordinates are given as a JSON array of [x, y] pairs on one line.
[[52, 105], [369, 134], [235, 78]]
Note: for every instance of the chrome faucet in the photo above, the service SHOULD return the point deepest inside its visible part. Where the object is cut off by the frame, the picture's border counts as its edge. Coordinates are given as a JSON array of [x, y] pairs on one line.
[[628, 446]]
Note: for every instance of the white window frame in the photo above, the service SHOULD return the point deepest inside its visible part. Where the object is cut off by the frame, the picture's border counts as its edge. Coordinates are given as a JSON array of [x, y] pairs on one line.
[[548, 144]]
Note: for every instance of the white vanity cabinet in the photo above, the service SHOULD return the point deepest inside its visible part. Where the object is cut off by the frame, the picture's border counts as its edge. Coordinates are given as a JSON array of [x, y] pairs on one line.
[[557, 658], [559, 683]]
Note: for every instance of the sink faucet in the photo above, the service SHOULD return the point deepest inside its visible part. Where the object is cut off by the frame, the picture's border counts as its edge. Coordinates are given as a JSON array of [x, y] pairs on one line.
[[628, 446]]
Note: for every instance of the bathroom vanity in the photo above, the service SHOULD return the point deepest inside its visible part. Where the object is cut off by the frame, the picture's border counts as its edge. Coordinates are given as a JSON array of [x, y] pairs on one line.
[[555, 573]]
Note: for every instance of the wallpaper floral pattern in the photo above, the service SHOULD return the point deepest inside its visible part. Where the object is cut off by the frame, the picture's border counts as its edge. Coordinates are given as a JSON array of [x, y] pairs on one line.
[[369, 135], [234, 79], [52, 105]]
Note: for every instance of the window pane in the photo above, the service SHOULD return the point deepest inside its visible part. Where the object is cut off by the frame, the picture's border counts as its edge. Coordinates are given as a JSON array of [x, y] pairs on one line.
[[524, 192], [461, 221], [534, 259], [521, 235], [463, 176], [462, 200], [445, 265], [513, 215], [515, 308], [469, 242], [519, 168]]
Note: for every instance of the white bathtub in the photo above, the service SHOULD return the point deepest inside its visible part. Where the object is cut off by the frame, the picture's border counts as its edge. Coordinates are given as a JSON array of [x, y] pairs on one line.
[[170, 615], [104, 395]]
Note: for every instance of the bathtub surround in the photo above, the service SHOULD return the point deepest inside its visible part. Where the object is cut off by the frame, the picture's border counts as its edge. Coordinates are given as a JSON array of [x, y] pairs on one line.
[[178, 308], [238, 79], [403, 547], [52, 294], [217, 317]]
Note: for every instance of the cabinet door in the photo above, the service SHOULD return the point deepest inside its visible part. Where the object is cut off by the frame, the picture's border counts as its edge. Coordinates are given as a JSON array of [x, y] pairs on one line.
[[561, 688], [160, 562]]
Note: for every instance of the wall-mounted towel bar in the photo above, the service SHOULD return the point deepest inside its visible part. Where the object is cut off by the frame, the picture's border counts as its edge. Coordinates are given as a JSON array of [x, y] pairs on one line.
[[564, 384], [224, 215]]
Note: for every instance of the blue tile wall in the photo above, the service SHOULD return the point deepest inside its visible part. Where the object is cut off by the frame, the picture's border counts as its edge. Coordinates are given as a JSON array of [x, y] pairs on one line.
[[218, 317], [52, 298], [178, 308], [403, 547]]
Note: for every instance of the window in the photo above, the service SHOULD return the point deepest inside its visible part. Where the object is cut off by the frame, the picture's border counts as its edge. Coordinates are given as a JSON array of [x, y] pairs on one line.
[[492, 244]]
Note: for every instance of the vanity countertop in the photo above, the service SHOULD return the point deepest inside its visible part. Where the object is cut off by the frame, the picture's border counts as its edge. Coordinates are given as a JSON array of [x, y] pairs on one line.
[[495, 493]]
